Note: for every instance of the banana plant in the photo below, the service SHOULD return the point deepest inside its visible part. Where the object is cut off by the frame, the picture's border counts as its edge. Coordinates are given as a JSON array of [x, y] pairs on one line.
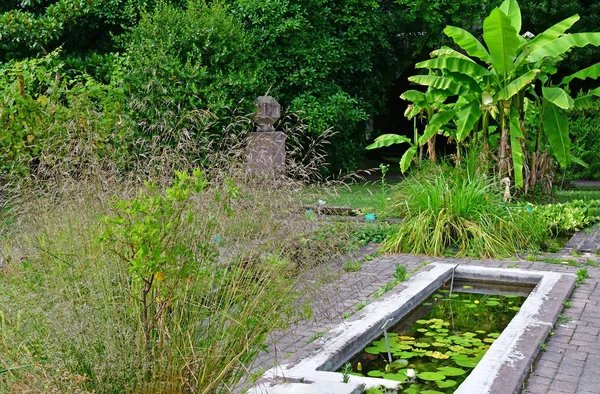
[[428, 105], [491, 82]]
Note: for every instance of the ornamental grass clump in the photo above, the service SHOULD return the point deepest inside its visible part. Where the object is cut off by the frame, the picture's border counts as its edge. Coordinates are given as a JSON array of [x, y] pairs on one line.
[[461, 211]]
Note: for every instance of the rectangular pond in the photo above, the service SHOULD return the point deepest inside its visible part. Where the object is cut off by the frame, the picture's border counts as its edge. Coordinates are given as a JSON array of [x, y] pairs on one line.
[[501, 368], [436, 346]]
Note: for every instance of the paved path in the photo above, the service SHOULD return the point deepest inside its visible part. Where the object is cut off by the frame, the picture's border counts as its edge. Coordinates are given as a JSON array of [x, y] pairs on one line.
[[587, 241], [570, 364]]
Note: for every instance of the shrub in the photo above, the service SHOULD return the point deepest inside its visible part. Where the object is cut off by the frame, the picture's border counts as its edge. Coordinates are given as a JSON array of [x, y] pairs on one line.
[[450, 209], [564, 218], [586, 144], [54, 122]]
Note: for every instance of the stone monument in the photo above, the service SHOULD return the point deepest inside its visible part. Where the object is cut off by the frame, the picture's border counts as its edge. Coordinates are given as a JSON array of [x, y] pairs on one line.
[[266, 147]]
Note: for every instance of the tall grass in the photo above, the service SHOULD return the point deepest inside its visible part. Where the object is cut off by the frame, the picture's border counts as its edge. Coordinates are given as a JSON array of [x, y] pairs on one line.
[[457, 210], [70, 317]]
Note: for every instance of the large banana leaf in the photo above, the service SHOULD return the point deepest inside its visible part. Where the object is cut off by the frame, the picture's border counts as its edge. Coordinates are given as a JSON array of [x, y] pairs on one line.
[[502, 41], [592, 71], [562, 44], [466, 119], [435, 124], [455, 64], [558, 97], [442, 83], [517, 85], [552, 33], [466, 80], [407, 158], [515, 145], [413, 96], [468, 42], [587, 101], [447, 51], [387, 140], [512, 10], [556, 127]]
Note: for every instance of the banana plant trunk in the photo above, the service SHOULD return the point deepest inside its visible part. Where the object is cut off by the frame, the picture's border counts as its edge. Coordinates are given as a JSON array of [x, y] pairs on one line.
[[504, 149]]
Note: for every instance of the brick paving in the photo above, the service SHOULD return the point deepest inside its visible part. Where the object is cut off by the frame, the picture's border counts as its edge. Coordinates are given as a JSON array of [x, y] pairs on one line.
[[587, 241], [570, 363]]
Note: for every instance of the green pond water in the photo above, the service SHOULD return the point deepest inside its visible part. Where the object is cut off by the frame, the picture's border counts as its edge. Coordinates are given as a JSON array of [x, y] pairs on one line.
[[443, 339]]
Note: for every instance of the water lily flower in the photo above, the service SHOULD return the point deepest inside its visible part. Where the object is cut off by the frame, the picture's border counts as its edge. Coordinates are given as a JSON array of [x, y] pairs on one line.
[[410, 373], [359, 366], [476, 301]]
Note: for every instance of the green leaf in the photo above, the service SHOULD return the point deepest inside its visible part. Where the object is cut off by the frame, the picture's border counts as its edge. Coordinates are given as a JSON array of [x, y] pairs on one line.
[[446, 383], [562, 44], [515, 144], [578, 161], [502, 41], [552, 33], [587, 101], [516, 85], [442, 83], [556, 127], [512, 10], [435, 124], [387, 140], [451, 371], [413, 96], [466, 119], [455, 64], [468, 42], [592, 71], [431, 376], [558, 97], [407, 158], [449, 52], [375, 373]]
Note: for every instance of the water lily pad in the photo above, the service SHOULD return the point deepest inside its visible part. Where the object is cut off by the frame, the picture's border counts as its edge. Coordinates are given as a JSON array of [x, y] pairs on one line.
[[373, 350], [469, 334], [401, 346], [465, 361], [425, 304], [430, 334], [442, 330], [419, 351], [431, 392], [405, 338], [422, 330], [439, 356], [492, 303], [421, 321], [406, 354], [446, 383], [397, 364], [422, 344], [375, 373], [480, 332], [488, 340], [467, 287], [395, 376], [494, 335], [439, 344], [432, 376], [451, 371]]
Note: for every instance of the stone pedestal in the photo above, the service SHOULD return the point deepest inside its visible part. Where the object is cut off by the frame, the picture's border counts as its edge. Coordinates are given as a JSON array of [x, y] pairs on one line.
[[266, 153]]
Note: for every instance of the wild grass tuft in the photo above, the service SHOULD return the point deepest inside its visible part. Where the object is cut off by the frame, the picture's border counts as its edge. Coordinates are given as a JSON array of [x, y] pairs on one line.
[[449, 209]]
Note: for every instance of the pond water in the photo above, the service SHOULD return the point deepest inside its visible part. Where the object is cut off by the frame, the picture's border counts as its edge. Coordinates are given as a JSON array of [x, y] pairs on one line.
[[443, 339]]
